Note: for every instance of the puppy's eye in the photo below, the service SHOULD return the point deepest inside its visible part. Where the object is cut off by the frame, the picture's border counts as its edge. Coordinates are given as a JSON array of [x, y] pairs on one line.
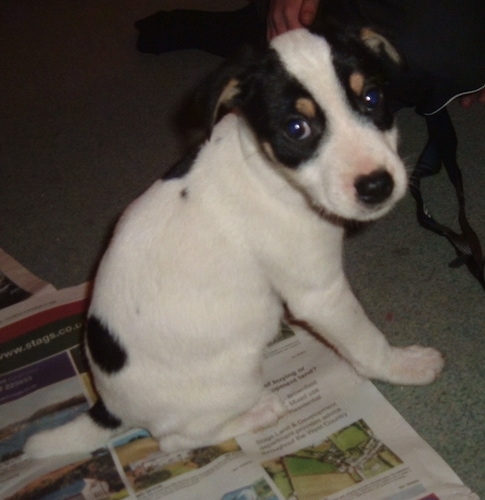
[[298, 129], [372, 98]]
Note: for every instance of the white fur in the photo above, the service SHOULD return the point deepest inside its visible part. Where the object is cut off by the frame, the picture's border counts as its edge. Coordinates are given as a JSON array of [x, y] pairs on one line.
[[195, 287], [78, 436]]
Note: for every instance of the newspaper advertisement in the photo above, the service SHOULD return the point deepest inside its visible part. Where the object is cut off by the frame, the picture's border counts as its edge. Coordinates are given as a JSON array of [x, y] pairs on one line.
[[340, 440]]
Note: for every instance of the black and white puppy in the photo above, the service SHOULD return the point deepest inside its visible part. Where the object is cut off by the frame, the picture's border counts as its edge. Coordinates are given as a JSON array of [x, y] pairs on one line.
[[203, 266]]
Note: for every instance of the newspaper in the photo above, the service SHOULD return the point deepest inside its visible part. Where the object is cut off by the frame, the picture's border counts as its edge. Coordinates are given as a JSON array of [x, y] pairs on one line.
[[341, 440], [17, 283]]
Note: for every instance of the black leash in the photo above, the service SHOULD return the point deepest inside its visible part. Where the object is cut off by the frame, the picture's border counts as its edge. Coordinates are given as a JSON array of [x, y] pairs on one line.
[[441, 150]]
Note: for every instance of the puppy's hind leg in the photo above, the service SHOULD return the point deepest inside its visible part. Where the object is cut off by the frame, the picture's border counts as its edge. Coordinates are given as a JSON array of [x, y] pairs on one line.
[[267, 411]]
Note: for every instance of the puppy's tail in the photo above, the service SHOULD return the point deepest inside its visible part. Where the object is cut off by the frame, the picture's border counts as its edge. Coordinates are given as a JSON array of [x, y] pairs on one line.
[[85, 433]]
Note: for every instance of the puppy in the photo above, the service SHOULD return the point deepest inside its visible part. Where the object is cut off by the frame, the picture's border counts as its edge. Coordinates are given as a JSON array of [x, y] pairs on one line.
[[203, 266]]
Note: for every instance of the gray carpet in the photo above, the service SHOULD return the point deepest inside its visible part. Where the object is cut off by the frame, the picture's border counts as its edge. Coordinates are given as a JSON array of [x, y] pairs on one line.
[[87, 124]]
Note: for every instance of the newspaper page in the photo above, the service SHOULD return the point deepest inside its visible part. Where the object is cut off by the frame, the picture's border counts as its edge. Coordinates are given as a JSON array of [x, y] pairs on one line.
[[340, 440], [17, 283]]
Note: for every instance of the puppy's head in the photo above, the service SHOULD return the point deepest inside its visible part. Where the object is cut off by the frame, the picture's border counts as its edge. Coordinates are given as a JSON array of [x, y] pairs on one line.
[[318, 109]]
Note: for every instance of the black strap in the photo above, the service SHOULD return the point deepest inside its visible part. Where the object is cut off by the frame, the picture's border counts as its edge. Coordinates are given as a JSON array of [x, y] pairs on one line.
[[441, 150]]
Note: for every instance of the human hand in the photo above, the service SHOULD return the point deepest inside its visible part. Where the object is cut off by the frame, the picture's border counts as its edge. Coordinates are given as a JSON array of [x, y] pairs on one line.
[[285, 15], [469, 99]]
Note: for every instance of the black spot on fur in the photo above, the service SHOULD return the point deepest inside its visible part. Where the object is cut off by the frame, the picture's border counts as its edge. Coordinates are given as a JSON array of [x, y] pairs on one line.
[[184, 193], [181, 168], [268, 100], [103, 417], [104, 347]]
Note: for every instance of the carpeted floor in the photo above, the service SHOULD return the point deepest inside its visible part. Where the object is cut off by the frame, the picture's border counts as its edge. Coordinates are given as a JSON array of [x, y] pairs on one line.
[[88, 123]]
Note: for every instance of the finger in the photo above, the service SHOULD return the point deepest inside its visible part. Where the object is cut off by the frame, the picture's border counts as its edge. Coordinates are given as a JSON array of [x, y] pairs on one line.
[[481, 96], [467, 100], [308, 11], [283, 16]]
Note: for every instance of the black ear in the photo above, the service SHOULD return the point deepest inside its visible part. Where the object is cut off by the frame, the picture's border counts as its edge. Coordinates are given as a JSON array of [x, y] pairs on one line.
[[349, 31], [218, 94], [380, 45]]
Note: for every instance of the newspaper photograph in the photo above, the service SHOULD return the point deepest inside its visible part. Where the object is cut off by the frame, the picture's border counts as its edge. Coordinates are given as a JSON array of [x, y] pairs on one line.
[[340, 439]]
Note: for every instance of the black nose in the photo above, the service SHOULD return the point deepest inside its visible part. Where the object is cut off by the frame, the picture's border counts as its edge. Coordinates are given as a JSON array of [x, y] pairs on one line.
[[375, 187]]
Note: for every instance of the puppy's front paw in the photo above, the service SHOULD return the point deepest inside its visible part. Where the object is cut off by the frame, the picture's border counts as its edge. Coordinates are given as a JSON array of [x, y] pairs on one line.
[[414, 365]]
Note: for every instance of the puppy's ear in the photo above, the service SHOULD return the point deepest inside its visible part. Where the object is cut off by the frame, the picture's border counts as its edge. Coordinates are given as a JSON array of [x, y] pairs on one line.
[[218, 95], [341, 34], [381, 45], [221, 100]]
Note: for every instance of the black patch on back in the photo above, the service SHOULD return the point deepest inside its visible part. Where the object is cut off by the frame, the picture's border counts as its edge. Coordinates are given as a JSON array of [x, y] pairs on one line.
[[103, 417], [182, 167], [105, 349], [267, 99]]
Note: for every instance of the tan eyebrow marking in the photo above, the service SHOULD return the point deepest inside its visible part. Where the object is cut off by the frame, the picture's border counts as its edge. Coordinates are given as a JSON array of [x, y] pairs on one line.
[[356, 82], [306, 107]]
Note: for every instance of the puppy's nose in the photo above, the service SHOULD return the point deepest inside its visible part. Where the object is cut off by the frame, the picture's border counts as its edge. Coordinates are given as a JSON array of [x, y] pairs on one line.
[[375, 187]]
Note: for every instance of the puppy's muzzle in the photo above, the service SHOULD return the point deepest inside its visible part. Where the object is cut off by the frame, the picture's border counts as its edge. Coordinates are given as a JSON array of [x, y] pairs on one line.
[[374, 188]]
